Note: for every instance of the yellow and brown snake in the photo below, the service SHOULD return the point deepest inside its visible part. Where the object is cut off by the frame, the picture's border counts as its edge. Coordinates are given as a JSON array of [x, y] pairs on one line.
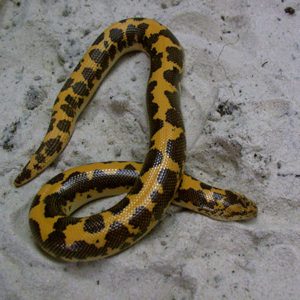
[[151, 186]]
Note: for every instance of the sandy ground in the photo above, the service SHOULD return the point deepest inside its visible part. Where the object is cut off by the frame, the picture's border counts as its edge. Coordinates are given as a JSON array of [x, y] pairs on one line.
[[240, 100]]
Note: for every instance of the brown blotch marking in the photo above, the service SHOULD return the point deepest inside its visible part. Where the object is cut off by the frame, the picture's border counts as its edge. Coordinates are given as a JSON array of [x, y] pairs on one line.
[[80, 88], [197, 198], [143, 27], [67, 84], [174, 118], [138, 19], [69, 111], [117, 235], [101, 180], [53, 205], [136, 33], [71, 107], [54, 112], [37, 167], [40, 158], [80, 102], [141, 32], [79, 250], [121, 45], [64, 125], [88, 74], [96, 55], [130, 33], [167, 33], [56, 238], [25, 174], [41, 148], [98, 73], [79, 179], [176, 149], [127, 244], [71, 101], [127, 176], [172, 76], [78, 65], [155, 125], [56, 100], [156, 62], [205, 186], [152, 108], [94, 224], [130, 167], [101, 58], [62, 223], [116, 34], [99, 39], [120, 206], [59, 177], [138, 185], [78, 182], [175, 55], [150, 88], [173, 99], [233, 198], [35, 229], [55, 243], [168, 179], [161, 201], [148, 43], [152, 143], [141, 218], [153, 159], [36, 201], [112, 51], [52, 121], [105, 61], [82, 250], [53, 145]]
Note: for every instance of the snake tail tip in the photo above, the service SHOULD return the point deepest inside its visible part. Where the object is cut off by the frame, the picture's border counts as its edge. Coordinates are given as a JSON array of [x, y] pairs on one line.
[[23, 177], [17, 182]]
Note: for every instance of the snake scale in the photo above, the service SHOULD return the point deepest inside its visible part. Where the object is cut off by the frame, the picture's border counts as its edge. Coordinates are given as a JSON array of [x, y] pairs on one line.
[[151, 186]]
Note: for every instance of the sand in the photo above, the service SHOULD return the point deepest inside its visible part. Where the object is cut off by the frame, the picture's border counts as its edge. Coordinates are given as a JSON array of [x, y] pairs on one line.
[[240, 101]]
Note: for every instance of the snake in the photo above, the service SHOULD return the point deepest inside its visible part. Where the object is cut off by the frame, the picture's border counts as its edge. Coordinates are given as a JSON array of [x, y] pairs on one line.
[[150, 186]]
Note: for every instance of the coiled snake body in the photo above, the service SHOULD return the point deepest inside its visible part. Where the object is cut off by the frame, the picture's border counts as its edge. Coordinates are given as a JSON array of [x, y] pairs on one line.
[[151, 185]]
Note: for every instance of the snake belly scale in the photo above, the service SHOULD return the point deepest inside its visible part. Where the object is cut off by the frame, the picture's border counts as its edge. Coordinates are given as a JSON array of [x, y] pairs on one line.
[[150, 186]]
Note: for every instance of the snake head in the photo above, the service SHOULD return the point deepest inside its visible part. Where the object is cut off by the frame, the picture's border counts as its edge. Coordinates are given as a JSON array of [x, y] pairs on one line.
[[237, 207]]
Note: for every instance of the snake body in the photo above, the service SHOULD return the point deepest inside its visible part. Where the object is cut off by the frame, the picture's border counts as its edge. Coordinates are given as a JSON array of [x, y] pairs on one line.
[[151, 186]]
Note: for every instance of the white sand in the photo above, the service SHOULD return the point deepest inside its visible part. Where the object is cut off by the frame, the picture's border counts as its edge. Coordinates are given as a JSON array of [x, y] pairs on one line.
[[240, 100]]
